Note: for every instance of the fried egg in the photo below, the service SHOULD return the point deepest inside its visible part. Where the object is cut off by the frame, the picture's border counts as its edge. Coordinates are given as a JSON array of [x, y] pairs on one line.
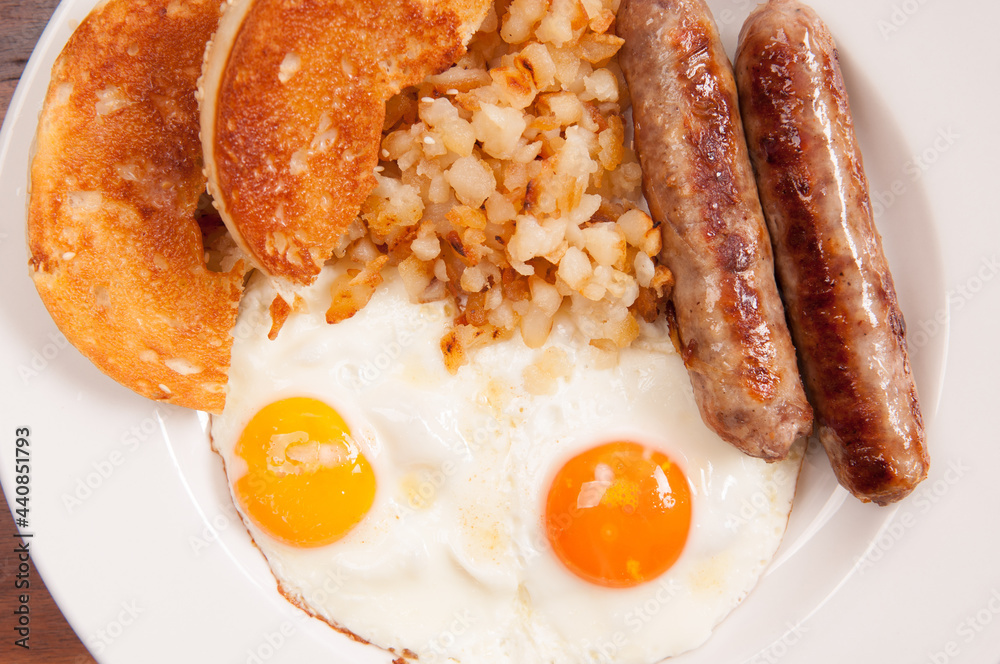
[[556, 505]]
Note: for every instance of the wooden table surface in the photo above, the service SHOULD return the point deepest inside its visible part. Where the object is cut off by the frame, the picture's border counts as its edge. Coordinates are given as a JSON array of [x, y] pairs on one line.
[[51, 639]]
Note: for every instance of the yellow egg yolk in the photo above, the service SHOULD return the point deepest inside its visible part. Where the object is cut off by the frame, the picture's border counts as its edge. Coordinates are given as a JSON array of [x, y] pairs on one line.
[[307, 483], [619, 514]]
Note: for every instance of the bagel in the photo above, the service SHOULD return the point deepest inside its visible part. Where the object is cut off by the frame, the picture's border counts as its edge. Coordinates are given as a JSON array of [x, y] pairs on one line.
[[116, 251], [292, 105]]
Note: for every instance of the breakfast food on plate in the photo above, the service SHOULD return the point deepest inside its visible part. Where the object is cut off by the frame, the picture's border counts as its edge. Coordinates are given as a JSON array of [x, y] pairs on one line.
[[505, 184], [293, 100], [116, 251], [840, 296], [552, 480], [453, 416], [700, 188], [539, 505]]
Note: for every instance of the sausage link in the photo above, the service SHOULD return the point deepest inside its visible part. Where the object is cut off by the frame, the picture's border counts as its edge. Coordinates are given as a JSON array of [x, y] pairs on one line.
[[699, 184], [836, 283]]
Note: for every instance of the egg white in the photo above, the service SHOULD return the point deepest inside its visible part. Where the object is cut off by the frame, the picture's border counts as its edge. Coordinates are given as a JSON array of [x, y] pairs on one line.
[[452, 562]]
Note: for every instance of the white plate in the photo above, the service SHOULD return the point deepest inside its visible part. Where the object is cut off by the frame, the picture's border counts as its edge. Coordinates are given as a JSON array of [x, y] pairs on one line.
[[138, 543]]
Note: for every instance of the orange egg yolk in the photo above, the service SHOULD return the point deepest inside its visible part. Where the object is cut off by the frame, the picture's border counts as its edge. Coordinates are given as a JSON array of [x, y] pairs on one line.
[[619, 514], [307, 483]]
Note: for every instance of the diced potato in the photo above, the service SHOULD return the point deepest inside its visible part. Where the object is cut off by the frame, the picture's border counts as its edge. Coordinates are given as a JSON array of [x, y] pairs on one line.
[[567, 64], [473, 279], [533, 239], [426, 246], [502, 181], [652, 242], [624, 332], [605, 244], [521, 17], [457, 343], [392, 204], [564, 107], [598, 48], [537, 59], [575, 268], [594, 291], [472, 180], [535, 327], [458, 136], [588, 206], [438, 191], [416, 276], [398, 143], [433, 145], [612, 142], [545, 296], [600, 85], [463, 216], [436, 112], [353, 289], [527, 152], [498, 129], [515, 85], [503, 316], [644, 269], [560, 24], [663, 281], [634, 224], [499, 208]]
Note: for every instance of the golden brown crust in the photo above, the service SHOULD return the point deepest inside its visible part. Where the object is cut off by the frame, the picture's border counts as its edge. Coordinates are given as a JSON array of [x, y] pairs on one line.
[[115, 251], [292, 111]]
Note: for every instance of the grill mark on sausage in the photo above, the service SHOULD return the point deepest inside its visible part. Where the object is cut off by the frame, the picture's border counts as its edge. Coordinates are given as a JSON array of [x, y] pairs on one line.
[[730, 324], [836, 282], [710, 133], [709, 125], [824, 325]]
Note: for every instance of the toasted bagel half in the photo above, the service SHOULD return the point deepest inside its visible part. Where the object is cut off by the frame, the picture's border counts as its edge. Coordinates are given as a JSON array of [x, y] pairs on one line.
[[292, 105], [116, 252]]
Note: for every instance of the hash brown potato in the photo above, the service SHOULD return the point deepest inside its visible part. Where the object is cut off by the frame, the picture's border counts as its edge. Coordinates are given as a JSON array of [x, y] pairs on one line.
[[293, 103]]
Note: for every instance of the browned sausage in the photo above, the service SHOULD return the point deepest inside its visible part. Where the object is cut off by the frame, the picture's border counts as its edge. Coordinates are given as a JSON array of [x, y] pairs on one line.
[[700, 188], [840, 297]]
